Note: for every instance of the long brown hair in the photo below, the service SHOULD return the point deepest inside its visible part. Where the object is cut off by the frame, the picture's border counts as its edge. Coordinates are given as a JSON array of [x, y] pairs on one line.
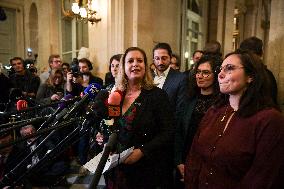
[[53, 72], [257, 95]]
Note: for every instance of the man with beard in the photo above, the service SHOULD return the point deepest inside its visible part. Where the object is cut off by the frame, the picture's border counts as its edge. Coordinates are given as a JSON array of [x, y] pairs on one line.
[[175, 84], [172, 81]]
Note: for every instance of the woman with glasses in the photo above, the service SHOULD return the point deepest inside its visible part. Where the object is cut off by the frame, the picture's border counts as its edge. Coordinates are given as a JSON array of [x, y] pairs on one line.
[[204, 89], [240, 140]]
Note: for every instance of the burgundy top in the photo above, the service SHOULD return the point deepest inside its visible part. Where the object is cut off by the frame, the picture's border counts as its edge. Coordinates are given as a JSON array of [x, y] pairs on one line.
[[248, 155]]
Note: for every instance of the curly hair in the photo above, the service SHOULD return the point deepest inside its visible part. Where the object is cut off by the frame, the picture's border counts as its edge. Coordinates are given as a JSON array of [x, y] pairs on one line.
[[215, 62]]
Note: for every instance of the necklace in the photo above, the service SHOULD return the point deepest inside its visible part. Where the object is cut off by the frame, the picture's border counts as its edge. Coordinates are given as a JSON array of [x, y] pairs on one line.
[[225, 114], [229, 118]]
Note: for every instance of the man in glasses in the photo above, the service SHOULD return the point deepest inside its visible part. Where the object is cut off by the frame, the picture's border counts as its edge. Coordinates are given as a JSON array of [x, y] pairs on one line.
[[54, 62]]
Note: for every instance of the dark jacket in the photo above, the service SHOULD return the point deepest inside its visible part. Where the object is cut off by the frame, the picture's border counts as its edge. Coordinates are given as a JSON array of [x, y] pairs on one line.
[[176, 86], [153, 134]]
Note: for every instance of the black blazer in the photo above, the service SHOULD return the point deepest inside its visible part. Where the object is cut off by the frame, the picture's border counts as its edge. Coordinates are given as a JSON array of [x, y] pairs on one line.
[[153, 134], [176, 86]]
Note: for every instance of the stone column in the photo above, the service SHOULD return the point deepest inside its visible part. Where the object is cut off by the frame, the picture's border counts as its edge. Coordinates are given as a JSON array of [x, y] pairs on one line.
[[275, 55]]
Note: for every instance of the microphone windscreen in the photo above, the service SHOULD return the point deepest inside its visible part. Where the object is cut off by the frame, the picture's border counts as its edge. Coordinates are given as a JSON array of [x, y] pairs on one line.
[[92, 90], [98, 106], [114, 98], [65, 98], [21, 105]]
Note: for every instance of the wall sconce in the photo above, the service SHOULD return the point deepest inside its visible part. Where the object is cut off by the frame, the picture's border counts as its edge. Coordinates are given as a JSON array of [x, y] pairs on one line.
[[85, 10]]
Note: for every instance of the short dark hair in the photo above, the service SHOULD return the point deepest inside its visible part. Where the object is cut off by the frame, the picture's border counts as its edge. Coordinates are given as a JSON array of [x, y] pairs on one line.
[[16, 58], [257, 96], [116, 57], [177, 58], [86, 61], [215, 62], [65, 64], [213, 47], [252, 44], [165, 46], [200, 51]]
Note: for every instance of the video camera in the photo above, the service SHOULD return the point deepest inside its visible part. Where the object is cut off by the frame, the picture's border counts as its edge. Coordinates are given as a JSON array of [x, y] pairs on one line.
[[74, 67]]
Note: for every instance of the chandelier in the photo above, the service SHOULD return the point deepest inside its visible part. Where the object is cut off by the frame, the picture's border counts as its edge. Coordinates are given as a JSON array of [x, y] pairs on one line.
[[84, 10]]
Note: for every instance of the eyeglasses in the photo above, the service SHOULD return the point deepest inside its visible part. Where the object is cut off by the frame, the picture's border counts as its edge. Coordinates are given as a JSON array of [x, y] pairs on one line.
[[163, 58], [57, 61], [228, 68], [204, 73]]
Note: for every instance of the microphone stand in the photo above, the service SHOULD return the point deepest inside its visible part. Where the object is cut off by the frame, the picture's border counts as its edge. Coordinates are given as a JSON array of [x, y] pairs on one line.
[[8, 178], [22, 123], [107, 150], [38, 133], [40, 106], [60, 147]]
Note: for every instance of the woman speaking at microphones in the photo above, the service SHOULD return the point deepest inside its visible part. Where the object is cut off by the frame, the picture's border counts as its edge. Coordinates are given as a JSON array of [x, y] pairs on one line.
[[145, 123]]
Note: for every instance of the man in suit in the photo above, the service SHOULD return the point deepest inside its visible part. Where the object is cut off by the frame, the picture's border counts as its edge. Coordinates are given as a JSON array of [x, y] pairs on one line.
[[172, 81]]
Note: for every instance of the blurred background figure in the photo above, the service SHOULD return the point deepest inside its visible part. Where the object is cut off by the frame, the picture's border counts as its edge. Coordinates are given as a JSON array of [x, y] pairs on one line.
[[255, 45], [113, 70], [65, 69], [52, 89], [175, 62], [213, 47], [23, 79]]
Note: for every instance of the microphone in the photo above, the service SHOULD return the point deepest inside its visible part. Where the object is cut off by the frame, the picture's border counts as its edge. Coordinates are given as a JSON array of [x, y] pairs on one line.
[[96, 110], [61, 107], [90, 93], [114, 100], [22, 105]]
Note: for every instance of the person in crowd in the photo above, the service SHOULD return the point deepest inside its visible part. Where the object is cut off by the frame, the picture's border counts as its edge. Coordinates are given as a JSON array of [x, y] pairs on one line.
[[152, 69], [76, 83], [175, 62], [145, 123], [23, 79], [5, 84], [51, 171], [213, 47], [203, 92], [53, 88], [65, 68], [255, 45], [196, 55], [54, 62], [240, 141], [168, 79], [113, 70], [5, 154], [85, 67]]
